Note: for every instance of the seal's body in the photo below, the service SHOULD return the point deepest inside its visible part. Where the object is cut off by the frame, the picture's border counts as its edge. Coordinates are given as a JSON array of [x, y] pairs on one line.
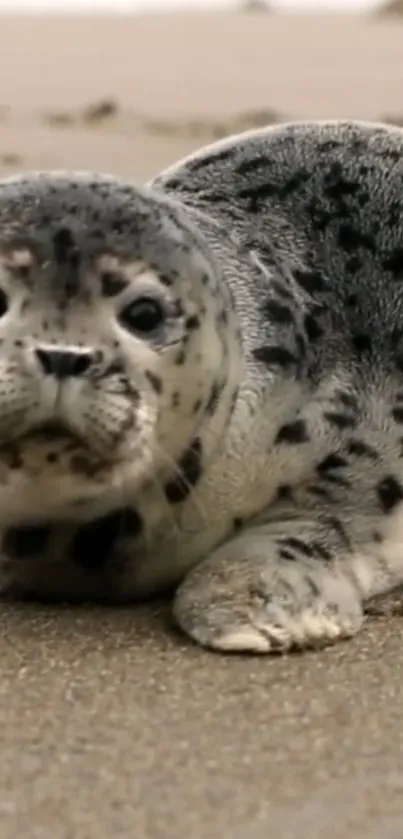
[[201, 384]]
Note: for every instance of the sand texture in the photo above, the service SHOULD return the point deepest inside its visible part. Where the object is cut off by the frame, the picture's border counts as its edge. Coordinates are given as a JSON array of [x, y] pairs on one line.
[[175, 82], [113, 725]]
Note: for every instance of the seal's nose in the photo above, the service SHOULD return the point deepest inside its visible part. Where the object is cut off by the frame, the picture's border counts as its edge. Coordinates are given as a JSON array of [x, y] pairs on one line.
[[64, 363]]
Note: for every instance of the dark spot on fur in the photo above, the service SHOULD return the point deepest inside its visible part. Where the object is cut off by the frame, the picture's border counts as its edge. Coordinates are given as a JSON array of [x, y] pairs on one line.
[[93, 543], [361, 449], [256, 195], [112, 284], [246, 167], [284, 491], [213, 399], [377, 536], [67, 259], [301, 344], [332, 461], [192, 322], [234, 399], [311, 281], [155, 381], [297, 545], [336, 525], [180, 357], [282, 290], [278, 312], [177, 307], [13, 457], [293, 432], [115, 368], [335, 478], [275, 355], [320, 492], [284, 554], [237, 523], [52, 457], [23, 272], [295, 182], [347, 399], [321, 551], [65, 249], [340, 420], [397, 414], [362, 343], [320, 218], [336, 185], [329, 145], [390, 493], [395, 337], [209, 160], [312, 327], [394, 263], [25, 541], [196, 406], [189, 473], [83, 465], [353, 264], [351, 239]]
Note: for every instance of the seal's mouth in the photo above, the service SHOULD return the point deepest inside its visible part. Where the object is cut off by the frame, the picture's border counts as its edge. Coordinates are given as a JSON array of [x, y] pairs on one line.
[[45, 433], [52, 430]]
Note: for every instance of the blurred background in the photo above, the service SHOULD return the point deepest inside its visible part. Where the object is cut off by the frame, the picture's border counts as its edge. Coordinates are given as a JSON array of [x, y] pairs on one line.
[[130, 85]]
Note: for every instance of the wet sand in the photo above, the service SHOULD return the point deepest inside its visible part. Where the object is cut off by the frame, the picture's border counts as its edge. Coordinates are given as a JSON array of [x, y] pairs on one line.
[[112, 724]]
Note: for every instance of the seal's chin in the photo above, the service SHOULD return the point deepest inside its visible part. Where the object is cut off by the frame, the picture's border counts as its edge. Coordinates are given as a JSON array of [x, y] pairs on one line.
[[53, 484], [49, 473], [57, 467], [50, 467]]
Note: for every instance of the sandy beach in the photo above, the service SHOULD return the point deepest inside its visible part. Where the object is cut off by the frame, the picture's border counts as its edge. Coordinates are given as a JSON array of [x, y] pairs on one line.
[[112, 724], [177, 81]]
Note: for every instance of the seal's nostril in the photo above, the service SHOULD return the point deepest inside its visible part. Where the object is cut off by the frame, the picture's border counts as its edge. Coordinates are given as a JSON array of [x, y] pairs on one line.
[[63, 363], [80, 363]]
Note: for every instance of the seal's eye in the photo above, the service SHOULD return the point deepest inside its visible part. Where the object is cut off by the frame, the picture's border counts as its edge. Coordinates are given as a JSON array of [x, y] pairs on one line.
[[145, 315], [3, 303]]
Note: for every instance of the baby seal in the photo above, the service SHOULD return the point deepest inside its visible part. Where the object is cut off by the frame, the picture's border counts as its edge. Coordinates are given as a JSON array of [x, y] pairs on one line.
[[201, 385]]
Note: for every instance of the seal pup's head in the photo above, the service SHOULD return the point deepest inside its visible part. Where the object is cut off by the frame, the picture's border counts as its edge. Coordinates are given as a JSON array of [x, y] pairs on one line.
[[114, 344]]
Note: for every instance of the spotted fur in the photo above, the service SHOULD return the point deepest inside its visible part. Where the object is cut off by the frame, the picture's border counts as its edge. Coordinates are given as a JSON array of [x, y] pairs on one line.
[[248, 454]]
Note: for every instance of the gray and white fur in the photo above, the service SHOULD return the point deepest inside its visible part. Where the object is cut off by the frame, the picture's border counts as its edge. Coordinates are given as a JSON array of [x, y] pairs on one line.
[[201, 385]]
